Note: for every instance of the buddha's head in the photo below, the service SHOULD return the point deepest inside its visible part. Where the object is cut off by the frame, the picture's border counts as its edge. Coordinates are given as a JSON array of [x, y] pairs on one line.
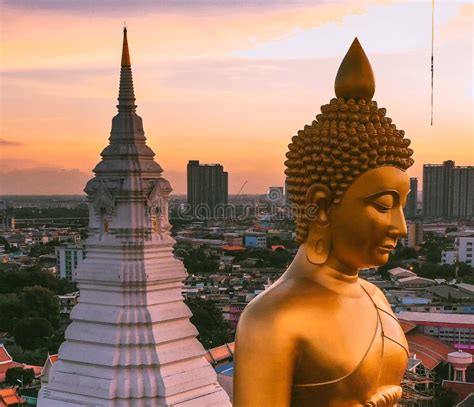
[[346, 174]]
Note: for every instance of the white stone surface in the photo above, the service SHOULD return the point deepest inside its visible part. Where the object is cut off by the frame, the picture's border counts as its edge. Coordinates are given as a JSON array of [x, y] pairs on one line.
[[130, 342]]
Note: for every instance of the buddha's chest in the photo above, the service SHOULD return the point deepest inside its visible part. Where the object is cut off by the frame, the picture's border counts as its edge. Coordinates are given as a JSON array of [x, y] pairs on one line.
[[356, 349]]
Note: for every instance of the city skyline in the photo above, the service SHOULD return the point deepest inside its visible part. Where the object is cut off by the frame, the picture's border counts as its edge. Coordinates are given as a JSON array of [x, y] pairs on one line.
[[215, 89]]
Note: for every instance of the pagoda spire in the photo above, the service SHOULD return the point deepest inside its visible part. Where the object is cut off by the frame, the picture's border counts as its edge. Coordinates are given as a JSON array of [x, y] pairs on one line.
[[126, 96]]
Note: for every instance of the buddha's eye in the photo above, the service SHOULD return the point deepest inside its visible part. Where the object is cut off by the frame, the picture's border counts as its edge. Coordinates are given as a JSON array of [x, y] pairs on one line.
[[383, 203]]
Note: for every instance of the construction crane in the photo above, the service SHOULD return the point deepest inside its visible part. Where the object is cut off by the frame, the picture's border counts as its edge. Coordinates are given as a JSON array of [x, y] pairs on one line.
[[242, 187]]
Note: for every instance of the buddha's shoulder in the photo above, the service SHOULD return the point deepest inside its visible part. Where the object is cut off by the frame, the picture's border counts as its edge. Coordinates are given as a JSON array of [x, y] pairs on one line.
[[375, 292], [285, 300]]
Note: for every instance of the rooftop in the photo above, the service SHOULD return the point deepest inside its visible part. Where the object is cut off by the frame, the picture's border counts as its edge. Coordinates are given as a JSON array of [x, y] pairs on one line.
[[430, 350], [464, 319]]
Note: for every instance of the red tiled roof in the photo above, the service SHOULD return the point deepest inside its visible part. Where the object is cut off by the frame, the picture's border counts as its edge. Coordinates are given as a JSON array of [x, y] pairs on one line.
[[278, 246], [429, 349], [407, 326], [220, 353], [4, 356], [231, 347], [54, 358], [233, 248], [9, 397]]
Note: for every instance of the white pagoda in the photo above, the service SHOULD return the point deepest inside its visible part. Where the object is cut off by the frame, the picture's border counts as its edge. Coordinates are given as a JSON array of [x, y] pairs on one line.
[[130, 342]]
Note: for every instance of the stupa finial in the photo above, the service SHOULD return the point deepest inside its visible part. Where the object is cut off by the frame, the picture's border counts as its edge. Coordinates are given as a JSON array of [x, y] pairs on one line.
[[355, 78], [126, 93], [125, 52]]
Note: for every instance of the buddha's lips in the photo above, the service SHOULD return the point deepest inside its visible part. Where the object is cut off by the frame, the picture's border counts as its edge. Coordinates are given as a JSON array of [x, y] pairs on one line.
[[388, 246]]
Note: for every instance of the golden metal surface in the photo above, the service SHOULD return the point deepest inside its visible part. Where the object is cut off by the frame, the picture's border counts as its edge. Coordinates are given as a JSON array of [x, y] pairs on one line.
[[125, 52], [322, 336], [355, 78]]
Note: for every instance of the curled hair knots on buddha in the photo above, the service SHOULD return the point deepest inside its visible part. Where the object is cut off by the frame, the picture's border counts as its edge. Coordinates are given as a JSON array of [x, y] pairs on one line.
[[347, 139]]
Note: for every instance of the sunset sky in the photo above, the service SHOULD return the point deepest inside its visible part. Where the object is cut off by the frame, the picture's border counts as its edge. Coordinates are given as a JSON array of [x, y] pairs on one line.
[[225, 82]]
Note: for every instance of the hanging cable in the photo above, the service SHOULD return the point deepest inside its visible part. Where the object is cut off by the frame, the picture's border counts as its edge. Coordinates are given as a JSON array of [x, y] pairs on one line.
[[432, 55]]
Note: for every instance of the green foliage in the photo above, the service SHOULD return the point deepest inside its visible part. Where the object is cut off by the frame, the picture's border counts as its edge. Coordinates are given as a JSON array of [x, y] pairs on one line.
[[54, 215], [11, 310], [41, 302], [5, 243], [207, 318], [433, 246], [17, 375], [28, 330], [447, 271], [42, 249], [404, 253], [280, 258], [30, 357], [196, 262], [11, 282], [445, 398]]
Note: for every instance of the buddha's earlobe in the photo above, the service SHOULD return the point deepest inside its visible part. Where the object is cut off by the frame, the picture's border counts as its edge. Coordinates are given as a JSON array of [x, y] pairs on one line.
[[318, 201]]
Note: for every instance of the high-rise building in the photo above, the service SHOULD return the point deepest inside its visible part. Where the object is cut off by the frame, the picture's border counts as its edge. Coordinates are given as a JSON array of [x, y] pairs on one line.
[[207, 188], [130, 341], [410, 207], [461, 202], [448, 191], [69, 257], [276, 195]]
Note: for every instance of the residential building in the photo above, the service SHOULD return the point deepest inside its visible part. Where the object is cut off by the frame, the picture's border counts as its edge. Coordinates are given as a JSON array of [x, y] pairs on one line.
[[207, 189], [255, 239], [233, 239], [448, 191], [69, 256], [457, 329], [414, 235], [398, 273], [67, 302], [462, 251]]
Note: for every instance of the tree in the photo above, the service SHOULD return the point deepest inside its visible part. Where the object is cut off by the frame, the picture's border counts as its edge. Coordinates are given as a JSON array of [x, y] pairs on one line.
[[446, 398], [196, 262], [28, 330], [208, 319], [41, 302], [5, 243], [11, 310], [280, 258], [35, 357], [17, 375]]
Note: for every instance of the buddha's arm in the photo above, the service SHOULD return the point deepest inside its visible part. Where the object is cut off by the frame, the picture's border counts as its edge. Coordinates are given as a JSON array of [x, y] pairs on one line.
[[264, 359]]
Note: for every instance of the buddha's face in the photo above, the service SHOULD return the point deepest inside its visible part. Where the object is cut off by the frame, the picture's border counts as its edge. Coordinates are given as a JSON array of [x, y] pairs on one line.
[[366, 224]]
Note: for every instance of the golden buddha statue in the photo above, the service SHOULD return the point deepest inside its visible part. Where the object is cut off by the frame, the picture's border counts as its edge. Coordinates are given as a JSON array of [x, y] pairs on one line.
[[320, 335]]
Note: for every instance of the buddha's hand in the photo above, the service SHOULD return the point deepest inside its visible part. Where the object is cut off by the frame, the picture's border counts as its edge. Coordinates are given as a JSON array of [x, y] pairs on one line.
[[387, 396]]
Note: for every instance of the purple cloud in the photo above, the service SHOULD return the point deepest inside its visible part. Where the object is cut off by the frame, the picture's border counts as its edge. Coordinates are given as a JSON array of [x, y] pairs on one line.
[[9, 143]]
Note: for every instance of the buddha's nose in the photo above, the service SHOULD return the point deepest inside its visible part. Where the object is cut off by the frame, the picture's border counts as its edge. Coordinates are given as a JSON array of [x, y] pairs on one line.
[[398, 226]]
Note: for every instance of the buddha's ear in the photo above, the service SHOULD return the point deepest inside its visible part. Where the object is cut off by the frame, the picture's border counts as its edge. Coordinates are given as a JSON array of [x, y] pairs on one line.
[[318, 242], [318, 202]]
